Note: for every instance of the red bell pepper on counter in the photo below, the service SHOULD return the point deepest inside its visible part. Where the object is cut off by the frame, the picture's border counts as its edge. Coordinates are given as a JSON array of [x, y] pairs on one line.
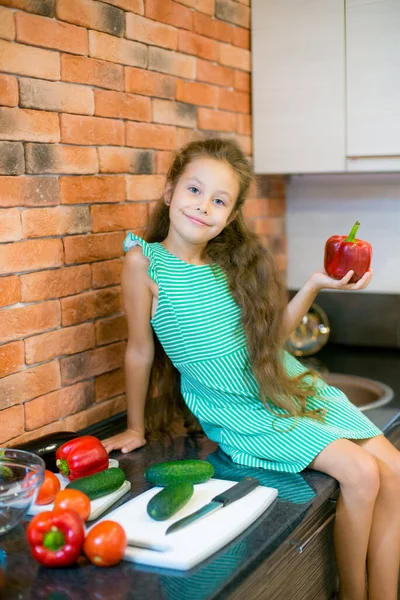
[[56, 537], [83, 456], [343, 254]]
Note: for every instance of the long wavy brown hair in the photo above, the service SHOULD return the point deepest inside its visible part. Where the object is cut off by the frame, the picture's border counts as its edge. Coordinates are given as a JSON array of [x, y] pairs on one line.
[[257, 289]]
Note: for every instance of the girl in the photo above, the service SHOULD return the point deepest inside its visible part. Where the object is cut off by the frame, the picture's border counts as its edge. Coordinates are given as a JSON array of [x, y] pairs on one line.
[[210, 292]]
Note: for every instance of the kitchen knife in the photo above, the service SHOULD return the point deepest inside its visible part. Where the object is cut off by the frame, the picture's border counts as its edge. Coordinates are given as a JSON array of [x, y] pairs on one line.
[[244, 487], [156, 547]]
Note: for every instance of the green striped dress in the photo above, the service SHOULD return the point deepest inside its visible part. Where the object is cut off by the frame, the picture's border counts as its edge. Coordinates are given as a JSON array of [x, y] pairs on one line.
[[198, 324]]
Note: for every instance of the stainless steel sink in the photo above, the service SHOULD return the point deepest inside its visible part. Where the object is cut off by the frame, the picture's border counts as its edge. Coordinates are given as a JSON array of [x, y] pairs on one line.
[[364, 393]]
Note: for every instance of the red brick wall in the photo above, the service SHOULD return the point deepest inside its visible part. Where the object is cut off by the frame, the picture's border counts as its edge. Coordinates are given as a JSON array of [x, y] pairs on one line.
[[95, 96]]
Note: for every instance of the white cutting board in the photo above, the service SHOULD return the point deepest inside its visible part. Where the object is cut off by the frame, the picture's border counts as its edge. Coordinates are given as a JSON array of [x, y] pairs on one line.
[[197, 541], [98, 506]]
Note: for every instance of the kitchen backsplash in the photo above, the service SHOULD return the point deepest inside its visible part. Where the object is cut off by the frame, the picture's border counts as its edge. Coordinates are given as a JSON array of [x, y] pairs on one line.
[[319, 206]]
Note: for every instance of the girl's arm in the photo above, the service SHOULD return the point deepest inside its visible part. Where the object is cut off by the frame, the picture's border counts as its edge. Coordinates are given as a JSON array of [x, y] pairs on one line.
[[297, 308], [137, 297], [302, 301]]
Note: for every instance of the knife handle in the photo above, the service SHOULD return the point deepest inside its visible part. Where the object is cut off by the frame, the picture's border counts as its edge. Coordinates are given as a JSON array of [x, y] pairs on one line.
[[237, 491]]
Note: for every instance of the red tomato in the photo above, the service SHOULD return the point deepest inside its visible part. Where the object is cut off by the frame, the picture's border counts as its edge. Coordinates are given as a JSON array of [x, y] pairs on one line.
[[74, 500], [105, 544], [49, 488]]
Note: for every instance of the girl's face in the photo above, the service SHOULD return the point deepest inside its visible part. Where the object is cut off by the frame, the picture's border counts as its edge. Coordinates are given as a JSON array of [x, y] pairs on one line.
[[203, 200]]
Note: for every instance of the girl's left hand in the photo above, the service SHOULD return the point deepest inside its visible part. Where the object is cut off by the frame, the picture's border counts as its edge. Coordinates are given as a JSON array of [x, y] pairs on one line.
[[321, 280]]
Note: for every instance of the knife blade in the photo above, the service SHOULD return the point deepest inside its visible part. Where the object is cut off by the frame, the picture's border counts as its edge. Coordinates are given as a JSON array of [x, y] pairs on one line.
[[244, 487], [156, 547]]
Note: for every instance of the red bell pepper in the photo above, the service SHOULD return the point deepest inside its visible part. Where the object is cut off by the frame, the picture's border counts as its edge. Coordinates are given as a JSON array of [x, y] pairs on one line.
[[83, 456], [56, 537], [343, 254]]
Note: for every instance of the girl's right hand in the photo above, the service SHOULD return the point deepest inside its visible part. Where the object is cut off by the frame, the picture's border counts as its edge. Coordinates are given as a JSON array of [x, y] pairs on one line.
[[126, 441]]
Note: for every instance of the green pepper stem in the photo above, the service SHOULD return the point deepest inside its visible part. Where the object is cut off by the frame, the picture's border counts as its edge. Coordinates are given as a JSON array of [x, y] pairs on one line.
[[352, 234], [63, 466], [53, 540]]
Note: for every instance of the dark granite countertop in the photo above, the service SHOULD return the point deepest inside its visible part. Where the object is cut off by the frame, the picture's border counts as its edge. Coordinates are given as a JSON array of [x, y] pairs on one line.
[[299, 496]]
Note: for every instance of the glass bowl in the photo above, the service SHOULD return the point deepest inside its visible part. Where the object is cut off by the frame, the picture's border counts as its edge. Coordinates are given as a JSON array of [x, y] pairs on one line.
[[21, 475]]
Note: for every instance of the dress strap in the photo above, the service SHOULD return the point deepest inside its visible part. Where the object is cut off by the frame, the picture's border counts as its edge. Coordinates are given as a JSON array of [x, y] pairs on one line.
[[132, 240]]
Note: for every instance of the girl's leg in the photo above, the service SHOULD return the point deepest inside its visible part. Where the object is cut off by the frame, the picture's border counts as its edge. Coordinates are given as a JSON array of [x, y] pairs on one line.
[[383, 561], [357, 473]]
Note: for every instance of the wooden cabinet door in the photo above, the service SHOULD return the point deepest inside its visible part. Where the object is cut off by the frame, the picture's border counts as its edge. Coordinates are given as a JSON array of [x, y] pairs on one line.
[[298, 76], [302, 568], [373, 77]]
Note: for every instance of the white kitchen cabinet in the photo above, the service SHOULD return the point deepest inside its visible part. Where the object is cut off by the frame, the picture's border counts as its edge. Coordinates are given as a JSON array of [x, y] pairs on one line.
[[326, 85], [298, 76], [373, 79]]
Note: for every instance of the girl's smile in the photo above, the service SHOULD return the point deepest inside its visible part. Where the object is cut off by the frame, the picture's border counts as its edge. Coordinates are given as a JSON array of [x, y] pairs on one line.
[[196, 221]]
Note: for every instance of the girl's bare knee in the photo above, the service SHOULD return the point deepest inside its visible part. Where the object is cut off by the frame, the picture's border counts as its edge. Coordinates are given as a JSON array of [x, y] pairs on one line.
[[362, 475], [394, 465], [354, 468], [390, 477], [391, 484]]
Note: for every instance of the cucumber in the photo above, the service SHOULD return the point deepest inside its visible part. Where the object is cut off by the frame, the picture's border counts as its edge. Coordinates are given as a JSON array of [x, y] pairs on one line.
[[100, 484], [191, 471], [169, 500]]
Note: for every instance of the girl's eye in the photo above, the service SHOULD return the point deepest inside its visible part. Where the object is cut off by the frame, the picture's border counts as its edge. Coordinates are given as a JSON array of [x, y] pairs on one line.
[[192, 187], [219, 201]]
